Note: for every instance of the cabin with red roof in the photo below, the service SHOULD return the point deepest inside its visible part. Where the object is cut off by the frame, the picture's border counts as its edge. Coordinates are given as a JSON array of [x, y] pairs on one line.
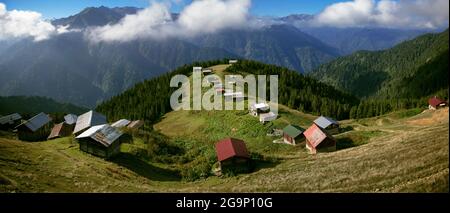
[[436, 103], [319, 140], [232, 153]]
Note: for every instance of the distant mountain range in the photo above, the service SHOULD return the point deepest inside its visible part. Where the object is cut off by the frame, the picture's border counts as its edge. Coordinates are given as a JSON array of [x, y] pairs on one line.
[[68, 68], [413, 69]]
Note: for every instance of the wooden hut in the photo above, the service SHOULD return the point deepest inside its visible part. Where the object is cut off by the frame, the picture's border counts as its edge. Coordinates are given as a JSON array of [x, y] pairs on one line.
[[197, 69], [102, 141], [257, 108], [232, 153], [319, 140], [10, 121], [70, 119], [293, 134], [233, 61], [436, 103], [121, 123], [61, 130], [135, 124], [266, 117], [87, 120], [328, 124], [36, 128]]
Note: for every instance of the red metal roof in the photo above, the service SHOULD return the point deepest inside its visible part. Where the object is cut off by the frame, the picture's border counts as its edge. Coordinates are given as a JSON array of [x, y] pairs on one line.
[[315, 135], [434, 102], [231, 147]]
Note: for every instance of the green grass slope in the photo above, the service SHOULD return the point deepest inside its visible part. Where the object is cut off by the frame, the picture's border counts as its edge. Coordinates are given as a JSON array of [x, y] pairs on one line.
[[378, 154]]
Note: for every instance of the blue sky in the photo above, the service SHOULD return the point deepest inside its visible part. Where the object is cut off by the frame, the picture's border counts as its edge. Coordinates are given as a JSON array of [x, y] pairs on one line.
[[63, 8]]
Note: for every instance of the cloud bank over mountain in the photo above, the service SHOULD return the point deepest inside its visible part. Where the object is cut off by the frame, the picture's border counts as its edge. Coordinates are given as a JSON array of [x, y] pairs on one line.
[[206, 16], [415, 14], [211, 16], [23, 24]]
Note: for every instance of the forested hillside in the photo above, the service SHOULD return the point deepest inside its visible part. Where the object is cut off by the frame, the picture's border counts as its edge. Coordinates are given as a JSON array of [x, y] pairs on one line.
[[411, 70], [33, 105], [150, 100], [301, 92]]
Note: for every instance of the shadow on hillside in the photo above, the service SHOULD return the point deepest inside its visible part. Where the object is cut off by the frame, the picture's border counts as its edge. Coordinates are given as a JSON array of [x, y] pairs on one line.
[[264, 164], [345, 143], [144, 169]]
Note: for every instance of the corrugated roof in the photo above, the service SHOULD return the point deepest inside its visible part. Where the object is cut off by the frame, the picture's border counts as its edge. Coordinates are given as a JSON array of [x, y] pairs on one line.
[[262, 106], [324, 122], [36, 122], [103, 134], [8, 119], [268, 116], [71, 119], [315, 135], [87, 120], [293, 130], [121, 123], [231, 147], [56, 131], [136, 124], [434, 102]]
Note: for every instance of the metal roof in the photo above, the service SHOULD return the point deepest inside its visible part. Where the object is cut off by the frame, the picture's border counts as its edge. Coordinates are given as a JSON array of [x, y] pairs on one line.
[[136, 124], [293, 130], [89, 119], [103, 134], [268, 116], [262, 106], [70, 119], [58, 130], [435, 101], [8, 119], [37, 121], [231, 147], [324, 122], [121, 123], [315, 135]]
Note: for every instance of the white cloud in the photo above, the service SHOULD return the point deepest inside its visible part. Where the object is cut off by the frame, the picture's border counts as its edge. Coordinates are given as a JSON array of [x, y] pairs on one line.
[[21, 24], [201, 16], [386, 13]]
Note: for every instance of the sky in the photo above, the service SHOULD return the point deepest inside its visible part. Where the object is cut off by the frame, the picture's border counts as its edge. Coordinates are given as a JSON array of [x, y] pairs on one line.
[[31, 18], [63, 8]]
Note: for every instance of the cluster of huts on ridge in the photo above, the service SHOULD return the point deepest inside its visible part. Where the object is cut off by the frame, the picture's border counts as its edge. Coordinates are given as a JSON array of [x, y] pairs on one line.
[[232, 152], [91, 130]]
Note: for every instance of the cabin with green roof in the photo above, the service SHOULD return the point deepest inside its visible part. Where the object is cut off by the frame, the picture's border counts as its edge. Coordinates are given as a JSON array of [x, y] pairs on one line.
[[293, 134]]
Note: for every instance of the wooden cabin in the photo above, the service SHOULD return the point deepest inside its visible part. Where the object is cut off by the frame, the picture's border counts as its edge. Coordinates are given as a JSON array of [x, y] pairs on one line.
[[88, 120], [328, 124], [207, 71], [258, 108], [231, 96], [197, 69], [121, 123], [36, 128], [234, 61], [61, 130], [267, 117], [293, 135], [319, 140], [10, 121], [233, 154], [102, 141], [134, 125], [70, 119], [436, 103]]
